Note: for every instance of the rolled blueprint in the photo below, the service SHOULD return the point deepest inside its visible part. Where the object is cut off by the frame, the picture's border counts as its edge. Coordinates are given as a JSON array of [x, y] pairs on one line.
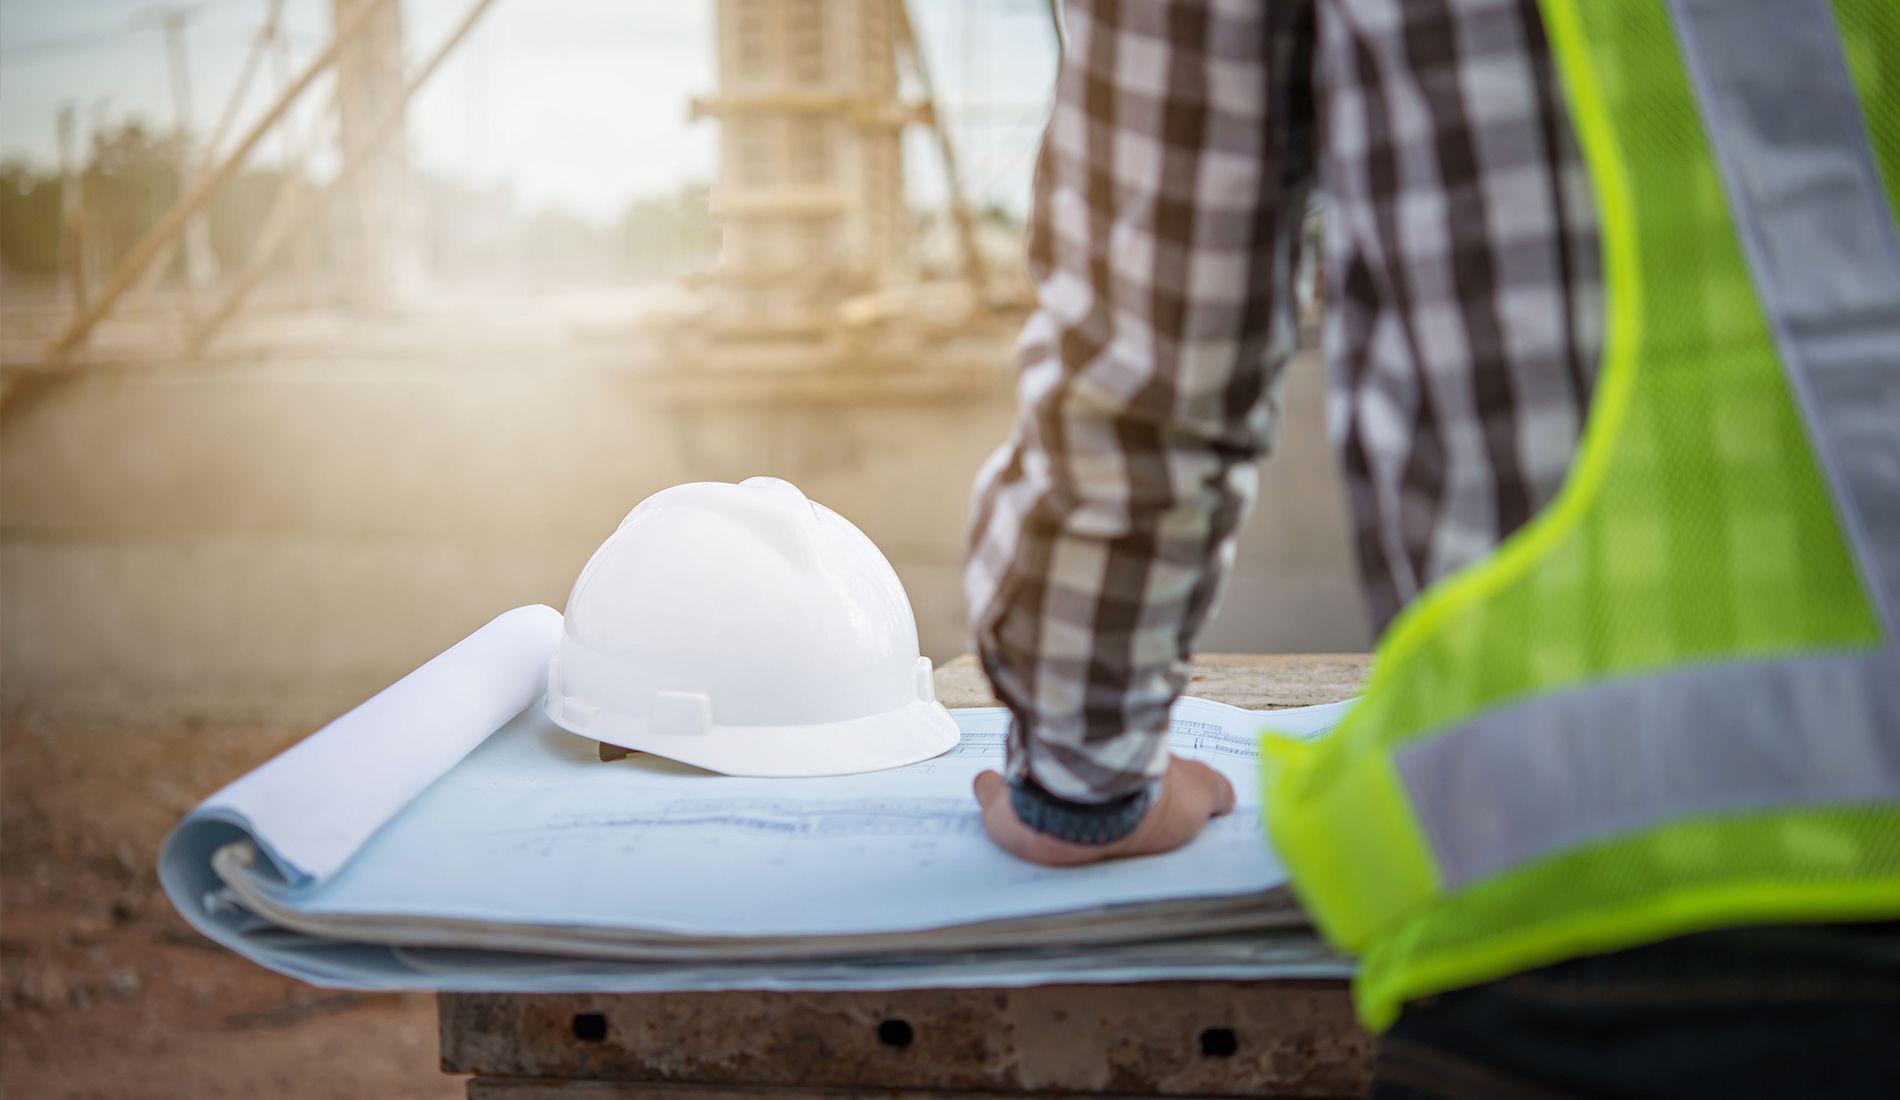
[[312, 807]]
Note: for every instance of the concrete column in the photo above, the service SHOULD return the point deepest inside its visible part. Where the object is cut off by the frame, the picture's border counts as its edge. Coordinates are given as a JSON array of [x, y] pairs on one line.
[[376, 222]]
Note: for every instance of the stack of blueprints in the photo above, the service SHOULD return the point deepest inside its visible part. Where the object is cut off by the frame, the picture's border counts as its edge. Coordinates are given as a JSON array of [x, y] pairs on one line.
[[446, 835]]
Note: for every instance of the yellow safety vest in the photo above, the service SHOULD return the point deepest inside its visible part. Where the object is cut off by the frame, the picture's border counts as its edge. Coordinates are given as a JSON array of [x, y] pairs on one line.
[[1670, 702]]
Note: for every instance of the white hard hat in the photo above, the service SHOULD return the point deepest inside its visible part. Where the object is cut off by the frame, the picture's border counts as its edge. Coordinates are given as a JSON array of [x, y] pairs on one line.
[[748, 630]]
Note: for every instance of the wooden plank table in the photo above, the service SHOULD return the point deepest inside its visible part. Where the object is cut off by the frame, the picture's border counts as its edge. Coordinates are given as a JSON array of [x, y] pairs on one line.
[[1190, 1038]]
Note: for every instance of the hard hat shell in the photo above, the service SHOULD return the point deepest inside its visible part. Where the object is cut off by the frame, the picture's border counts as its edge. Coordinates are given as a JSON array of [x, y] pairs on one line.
[[747, 630]]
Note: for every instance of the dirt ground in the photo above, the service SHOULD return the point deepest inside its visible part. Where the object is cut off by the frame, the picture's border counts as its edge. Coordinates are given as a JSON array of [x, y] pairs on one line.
[[106, 992]]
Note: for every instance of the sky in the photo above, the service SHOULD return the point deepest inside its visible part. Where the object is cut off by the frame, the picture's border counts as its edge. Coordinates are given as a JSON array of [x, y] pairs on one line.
[[578, 105]]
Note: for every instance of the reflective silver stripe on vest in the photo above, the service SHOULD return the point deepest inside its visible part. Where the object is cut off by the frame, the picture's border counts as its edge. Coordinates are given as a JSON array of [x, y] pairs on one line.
[[1774, 85], [1621, 756]]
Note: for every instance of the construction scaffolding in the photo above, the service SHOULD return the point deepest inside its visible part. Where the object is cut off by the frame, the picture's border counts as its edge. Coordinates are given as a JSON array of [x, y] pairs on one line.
[[818, 273], [810, 189], [372, 92], [822, 272]]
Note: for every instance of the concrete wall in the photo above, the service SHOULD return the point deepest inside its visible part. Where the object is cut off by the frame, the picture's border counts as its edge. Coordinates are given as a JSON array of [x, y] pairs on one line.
[[273, 542]]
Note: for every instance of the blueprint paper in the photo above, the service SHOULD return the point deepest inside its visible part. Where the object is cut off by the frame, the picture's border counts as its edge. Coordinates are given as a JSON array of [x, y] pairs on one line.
[[416, 811], [314, 804], [533, 829], [338, 965], [1257, 956]]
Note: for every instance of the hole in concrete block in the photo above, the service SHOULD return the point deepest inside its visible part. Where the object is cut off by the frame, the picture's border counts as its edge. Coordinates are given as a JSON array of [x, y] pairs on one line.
[[1219, 1042], [895, 1033], [590, 1027]]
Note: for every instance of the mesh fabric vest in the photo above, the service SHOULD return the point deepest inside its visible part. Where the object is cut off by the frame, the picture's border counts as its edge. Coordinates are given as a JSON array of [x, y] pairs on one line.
[[1670, 702]]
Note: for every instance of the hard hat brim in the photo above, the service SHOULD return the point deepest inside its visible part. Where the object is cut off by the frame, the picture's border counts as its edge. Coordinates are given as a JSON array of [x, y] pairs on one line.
[[912, 733]]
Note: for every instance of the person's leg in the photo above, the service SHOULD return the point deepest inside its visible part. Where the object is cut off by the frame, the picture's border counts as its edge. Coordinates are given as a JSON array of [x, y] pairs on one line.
[[1802, 1010]]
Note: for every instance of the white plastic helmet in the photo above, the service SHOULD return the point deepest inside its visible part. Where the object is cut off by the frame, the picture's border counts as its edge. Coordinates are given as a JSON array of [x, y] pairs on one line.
[[747, 630]]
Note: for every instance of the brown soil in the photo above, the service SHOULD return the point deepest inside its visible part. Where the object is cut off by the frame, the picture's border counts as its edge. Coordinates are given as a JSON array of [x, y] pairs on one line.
[[106, 992]]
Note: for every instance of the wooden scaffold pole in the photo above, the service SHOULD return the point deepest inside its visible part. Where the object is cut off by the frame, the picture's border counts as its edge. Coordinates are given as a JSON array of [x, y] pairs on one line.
[[270, 32], [173, 223], [960, 214], [281, 231]]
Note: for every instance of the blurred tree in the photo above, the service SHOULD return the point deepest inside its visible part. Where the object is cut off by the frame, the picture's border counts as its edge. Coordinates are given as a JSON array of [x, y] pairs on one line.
[[237, 216], [129, 184], [129, 181], [29, 220], [554, 242], [666, 237], [467, 228]]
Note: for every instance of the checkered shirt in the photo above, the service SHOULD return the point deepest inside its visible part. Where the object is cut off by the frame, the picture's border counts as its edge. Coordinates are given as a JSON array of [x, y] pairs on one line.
[[1462, 316]]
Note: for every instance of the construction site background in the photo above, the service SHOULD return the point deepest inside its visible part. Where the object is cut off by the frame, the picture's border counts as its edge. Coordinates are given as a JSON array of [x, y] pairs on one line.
[[229, 512]]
